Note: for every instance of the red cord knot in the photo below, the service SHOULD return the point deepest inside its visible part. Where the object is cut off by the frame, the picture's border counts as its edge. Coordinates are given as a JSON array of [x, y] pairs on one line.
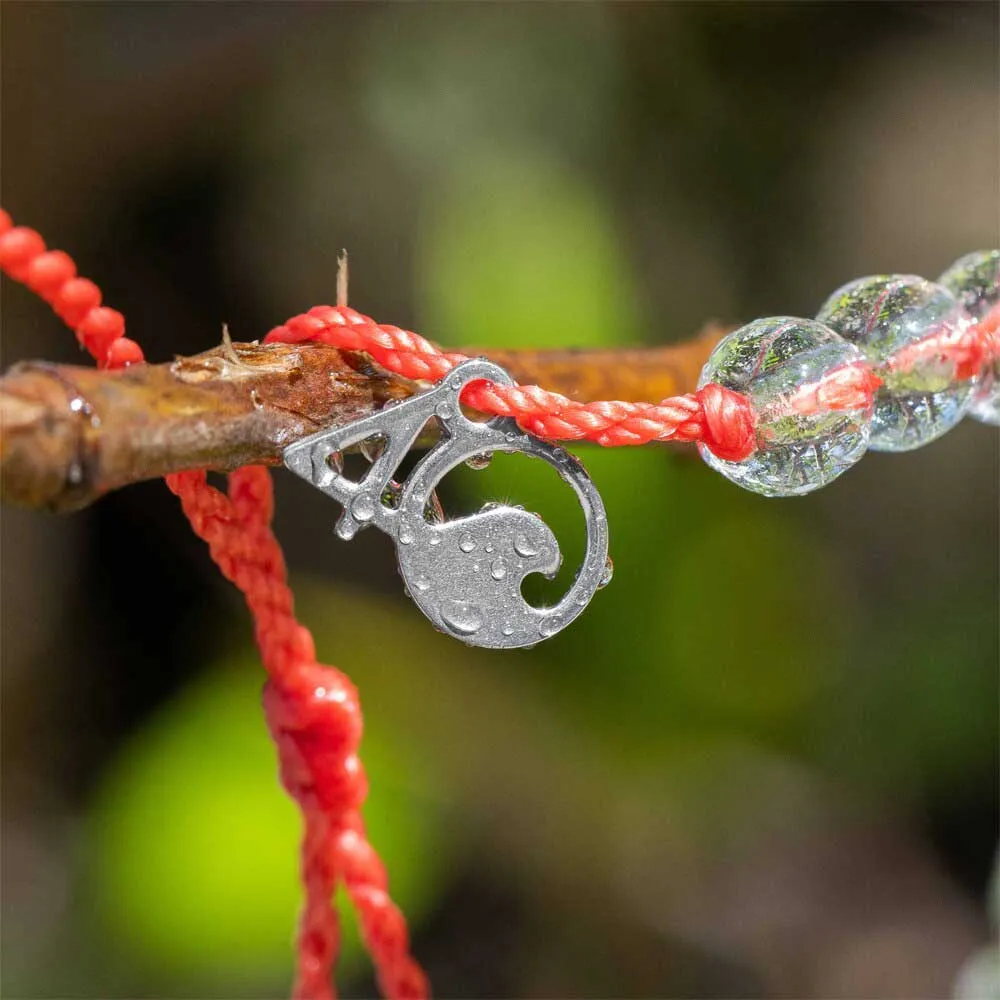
[[315, 719], [729, 422]]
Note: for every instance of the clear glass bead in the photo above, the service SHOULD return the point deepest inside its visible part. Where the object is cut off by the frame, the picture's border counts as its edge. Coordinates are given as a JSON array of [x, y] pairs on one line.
[[780, 363], [891, 318], [975, 281]]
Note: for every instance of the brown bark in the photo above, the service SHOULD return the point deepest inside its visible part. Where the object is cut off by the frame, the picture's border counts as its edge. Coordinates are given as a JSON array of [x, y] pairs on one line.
[[69, 433]]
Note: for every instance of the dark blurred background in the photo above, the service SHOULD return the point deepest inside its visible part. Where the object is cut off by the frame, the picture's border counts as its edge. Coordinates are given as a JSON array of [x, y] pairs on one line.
[[764, 763]]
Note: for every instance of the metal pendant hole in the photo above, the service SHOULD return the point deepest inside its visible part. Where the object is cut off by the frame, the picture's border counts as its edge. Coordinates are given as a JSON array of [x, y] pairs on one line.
[[359, 458]]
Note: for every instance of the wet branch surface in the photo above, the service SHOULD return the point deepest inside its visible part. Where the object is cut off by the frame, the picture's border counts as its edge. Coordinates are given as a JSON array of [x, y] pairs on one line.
[[70, 433]]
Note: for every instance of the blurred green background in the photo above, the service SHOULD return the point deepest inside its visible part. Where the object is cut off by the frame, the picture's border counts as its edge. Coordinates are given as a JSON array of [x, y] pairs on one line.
[[764, 763]]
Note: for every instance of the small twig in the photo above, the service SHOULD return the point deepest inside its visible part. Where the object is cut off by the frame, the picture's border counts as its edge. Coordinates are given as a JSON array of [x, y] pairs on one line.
[[69, 434], [343, 277]]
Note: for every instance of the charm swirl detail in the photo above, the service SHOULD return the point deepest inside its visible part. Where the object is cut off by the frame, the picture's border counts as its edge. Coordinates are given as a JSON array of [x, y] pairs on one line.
[[465, 574]]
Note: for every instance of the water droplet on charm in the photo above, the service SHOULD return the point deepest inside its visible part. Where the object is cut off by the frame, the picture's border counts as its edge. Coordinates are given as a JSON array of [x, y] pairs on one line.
[[511, 437], [445, 411], [498, 570], [507, 630], [435, 539], [549, 626], [466, 543], [363, 507], [609, 572], [524, 546], [489, 505], [422, 583], [462, 618], [488, 546], [479, 462], [405, 536]]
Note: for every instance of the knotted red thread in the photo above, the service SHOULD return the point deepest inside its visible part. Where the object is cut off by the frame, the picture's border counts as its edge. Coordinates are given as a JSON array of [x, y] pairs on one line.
[[315, 719], [312, 710]]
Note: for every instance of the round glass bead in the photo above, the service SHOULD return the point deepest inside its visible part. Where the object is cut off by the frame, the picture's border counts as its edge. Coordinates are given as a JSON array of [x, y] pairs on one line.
[[781, 363], [893, 319], [975, 281]]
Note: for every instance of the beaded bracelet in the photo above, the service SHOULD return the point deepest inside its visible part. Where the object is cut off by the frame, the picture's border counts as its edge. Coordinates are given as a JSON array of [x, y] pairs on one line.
[[926, 354], [783, 406]]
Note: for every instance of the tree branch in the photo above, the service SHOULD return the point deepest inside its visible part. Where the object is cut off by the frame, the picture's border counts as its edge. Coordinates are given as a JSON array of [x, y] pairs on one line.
[[69, 434]]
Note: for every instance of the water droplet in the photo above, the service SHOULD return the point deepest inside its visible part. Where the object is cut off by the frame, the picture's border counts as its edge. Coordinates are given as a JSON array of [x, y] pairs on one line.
[[445, 411], [462, 618], [511, 436], [507, 630], [479, 462], [490, 505], [609, 572], [466, 543], [435, 539], [488, 546], [498, 570], [405, 535], [524, 546], [549, 626], [363, 507], [422, 583], [372, 448]]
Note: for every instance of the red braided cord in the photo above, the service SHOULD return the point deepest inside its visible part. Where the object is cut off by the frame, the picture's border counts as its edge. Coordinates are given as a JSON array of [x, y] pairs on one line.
[[312, 710]]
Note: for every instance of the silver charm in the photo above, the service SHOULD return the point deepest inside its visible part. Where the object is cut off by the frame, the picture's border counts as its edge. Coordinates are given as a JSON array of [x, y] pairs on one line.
[[464, 574]]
